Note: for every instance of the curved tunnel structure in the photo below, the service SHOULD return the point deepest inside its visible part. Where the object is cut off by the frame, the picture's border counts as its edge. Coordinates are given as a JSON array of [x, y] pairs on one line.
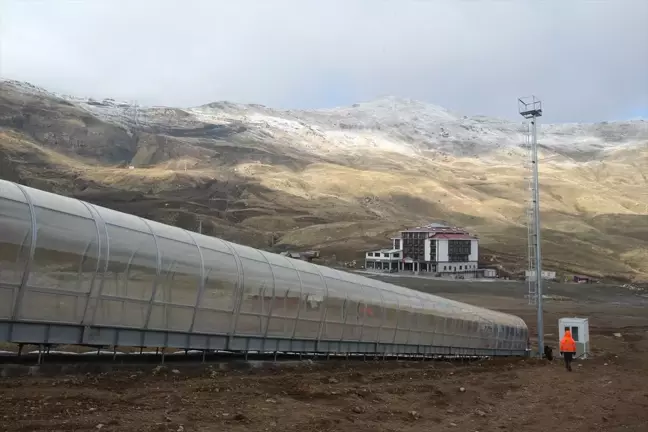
[[75, 273]]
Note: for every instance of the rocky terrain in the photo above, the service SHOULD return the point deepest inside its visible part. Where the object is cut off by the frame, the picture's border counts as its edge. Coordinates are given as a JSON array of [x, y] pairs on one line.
[[340, 180]]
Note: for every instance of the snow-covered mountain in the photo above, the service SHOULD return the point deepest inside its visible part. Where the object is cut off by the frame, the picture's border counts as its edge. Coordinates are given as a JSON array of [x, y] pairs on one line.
[[389, 124], [341, 180]]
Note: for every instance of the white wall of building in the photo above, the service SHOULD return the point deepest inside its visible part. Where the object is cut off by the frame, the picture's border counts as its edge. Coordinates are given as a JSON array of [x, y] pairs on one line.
[[474, 251], [383, 255], [442, 250], [457, 267]]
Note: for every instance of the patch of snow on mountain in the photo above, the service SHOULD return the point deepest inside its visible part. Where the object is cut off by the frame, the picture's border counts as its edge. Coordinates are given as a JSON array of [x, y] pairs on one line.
[[389, 124]]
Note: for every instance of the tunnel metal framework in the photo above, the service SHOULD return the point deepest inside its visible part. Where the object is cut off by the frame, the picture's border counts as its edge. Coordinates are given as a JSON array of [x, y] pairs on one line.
[[79, 274]]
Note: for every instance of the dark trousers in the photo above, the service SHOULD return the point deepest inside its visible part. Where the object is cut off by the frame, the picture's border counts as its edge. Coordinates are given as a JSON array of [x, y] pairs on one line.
[[568, 356]]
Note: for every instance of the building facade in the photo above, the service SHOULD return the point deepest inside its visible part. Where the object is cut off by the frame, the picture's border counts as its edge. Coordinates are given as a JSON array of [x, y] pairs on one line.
[[383, 259], [547, 275], [434, 248]]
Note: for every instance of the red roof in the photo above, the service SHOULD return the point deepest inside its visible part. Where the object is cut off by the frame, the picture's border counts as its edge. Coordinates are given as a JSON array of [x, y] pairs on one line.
[[444, 232], [433, 229], [454, 236]]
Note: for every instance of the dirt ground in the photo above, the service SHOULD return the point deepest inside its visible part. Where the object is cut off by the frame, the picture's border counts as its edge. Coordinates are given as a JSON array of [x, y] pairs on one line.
[[608, 392]]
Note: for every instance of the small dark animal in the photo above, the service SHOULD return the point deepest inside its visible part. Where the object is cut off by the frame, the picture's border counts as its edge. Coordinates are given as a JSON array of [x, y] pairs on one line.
[[548, 353]]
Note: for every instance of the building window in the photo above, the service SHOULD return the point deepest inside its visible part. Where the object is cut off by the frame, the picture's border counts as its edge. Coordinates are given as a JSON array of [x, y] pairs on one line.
[[396, 255], [413, 245], [433, 250], [460, 268], [386, 255], [459, 250], [445, 267], [397, 243]]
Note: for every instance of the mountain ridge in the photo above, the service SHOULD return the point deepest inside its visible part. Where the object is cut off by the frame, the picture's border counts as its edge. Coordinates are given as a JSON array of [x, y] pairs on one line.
[[341, 179]]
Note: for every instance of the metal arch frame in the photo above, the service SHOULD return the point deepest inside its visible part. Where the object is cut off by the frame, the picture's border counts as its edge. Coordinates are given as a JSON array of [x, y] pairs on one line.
[[84, 256], [411, 315], [384, 323], [20, 250], [478, 319], [284, 320], [201, 286], [166, 277], [32, 250], [220, 310], [100, 295], [362, 302], [324, 310], [169, 276], [419, 316], [383, 317], [85, 253], [128, 269], [345, 313], [240, 289], [474, 334], [468, 317], [99, 218], [274, 291], [158, 272], [396, 328], [301, 299], [348, 308], [260, 315], [364, 312]]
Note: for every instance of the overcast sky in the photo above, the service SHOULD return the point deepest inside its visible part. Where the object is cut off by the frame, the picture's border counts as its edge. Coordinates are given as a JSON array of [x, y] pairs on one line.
[[587, 60]]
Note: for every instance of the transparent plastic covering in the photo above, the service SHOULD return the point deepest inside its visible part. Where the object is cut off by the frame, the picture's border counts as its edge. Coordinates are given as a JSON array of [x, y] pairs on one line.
[[66, 261]]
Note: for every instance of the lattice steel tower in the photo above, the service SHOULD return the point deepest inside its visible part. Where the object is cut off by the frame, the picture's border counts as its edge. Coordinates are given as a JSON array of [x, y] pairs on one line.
[[530, 108]]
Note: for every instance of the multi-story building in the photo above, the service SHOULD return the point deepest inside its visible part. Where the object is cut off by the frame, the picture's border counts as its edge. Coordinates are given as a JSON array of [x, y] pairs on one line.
[[434, 248]]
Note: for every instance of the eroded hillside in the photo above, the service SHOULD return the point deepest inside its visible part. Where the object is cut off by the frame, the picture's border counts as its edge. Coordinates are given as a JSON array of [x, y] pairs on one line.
[[340, 180]]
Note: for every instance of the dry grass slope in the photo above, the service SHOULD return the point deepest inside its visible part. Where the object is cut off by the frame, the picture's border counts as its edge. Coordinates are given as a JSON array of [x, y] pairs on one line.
[[263, 179], [594, 215]]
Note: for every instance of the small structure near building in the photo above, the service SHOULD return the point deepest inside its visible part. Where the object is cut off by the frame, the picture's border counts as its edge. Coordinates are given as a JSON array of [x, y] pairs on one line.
[[490, 273], [546, 275], [579, 328], [304, 256], [584, 279]]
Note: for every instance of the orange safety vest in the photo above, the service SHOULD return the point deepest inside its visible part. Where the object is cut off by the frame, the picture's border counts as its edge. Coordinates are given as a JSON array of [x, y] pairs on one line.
[[567, 344]]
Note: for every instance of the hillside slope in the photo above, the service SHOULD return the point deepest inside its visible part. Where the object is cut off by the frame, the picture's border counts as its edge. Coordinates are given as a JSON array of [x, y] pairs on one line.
[[342, 180]]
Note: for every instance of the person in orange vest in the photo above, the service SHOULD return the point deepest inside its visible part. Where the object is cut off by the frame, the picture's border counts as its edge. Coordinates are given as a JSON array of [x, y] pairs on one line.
[[568, 349]]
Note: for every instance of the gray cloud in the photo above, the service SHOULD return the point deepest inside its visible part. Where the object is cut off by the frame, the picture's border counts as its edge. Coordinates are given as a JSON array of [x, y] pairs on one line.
[[587, 60]]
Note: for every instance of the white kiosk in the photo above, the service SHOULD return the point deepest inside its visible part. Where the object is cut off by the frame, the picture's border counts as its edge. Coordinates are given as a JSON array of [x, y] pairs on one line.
[[579, 328]]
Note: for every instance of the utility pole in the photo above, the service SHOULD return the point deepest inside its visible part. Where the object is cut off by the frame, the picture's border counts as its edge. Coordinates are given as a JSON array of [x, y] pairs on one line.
[[531, 109]]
